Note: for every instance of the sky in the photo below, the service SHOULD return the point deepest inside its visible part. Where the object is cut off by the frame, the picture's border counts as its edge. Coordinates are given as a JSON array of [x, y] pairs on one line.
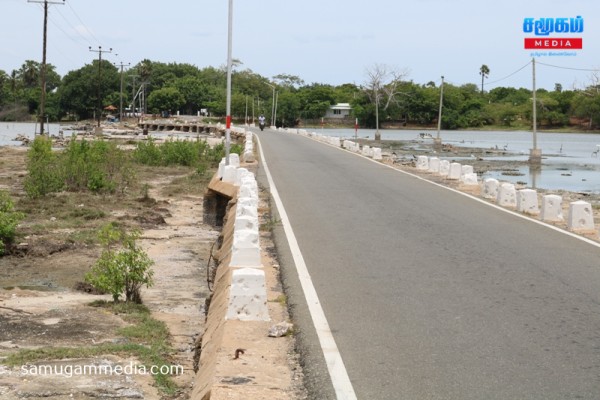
[[320, 41]]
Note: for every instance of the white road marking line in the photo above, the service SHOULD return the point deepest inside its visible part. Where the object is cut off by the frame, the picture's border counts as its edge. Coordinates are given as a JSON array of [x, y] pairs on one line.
[[335, 365]]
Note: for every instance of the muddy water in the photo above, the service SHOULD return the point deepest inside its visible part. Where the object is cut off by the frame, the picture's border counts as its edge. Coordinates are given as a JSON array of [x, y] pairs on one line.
[[570, 161]]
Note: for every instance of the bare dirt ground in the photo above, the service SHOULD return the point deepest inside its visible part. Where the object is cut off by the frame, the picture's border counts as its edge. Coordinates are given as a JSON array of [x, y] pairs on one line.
[[45, 306], [41, 308]]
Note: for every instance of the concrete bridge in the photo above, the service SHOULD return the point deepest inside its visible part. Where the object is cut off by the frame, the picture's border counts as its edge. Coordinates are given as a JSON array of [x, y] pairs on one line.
[[169, 126]]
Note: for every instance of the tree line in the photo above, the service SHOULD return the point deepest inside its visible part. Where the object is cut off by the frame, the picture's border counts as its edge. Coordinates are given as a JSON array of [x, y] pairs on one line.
[[387, 96]]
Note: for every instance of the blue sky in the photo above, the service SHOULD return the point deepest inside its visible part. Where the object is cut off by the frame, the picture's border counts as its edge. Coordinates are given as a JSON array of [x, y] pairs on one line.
[[327, 41]]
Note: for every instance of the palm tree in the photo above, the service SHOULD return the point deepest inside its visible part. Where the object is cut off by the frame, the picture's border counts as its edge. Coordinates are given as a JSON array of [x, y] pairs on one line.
[[484, 71]]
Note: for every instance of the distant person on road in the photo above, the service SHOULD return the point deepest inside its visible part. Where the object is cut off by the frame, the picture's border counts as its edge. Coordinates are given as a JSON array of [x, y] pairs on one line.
[[261, 119]]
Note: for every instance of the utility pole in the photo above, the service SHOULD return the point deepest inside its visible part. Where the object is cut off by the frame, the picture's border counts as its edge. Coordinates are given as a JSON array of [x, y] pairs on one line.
[[43, 71], [535, 154], [437, 143], [133, 76], [229, 63], [99, 105], [121, 93]]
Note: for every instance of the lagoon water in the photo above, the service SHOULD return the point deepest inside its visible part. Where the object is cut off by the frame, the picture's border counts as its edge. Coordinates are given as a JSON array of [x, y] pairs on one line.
[[568, 162], [9, 130]]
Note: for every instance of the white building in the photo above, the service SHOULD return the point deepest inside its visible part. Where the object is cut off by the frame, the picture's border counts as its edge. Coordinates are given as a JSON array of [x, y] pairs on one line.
[[339, 111]]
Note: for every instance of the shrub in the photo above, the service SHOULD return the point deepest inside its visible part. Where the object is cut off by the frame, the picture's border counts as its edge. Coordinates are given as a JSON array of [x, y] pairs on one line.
[[9, 219], [99, 166], [44, 171], [121, 271], [196, 154]]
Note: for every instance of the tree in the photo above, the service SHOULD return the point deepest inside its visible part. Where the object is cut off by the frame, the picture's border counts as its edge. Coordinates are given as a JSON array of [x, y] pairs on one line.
[[382, 82], [79, 87], [484, 71], [166, 99]]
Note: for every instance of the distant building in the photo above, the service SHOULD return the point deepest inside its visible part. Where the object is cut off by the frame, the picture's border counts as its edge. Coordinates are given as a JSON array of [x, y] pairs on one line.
[[339, 111]]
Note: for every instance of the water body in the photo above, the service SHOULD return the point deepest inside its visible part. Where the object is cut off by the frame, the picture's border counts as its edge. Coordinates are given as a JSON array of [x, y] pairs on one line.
[[568, 162], [9, 130]]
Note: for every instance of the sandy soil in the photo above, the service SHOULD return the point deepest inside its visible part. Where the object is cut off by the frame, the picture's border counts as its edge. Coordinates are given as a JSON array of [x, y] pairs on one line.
[[54, 314]]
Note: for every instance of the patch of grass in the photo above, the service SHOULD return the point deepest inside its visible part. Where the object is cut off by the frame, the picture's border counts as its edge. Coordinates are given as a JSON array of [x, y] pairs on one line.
[[269, 225], [149, 343], [281, 299]]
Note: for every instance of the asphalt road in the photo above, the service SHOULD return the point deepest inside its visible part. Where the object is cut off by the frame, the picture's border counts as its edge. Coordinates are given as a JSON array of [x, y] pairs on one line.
[[431, 294]]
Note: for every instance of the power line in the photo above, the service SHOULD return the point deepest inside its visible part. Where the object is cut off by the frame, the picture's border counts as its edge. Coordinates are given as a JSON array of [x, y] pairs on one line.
[[570, 68], [84, 24], [508, 76]]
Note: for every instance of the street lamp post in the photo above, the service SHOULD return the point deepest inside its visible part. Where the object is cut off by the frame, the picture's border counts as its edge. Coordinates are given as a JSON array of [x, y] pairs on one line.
[[228, 107], [272, 104]]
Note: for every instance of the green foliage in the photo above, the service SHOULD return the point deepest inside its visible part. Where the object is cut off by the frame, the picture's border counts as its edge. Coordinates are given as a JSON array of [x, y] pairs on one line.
[[165, 99], [121, 271], [196, 154], [98, 166], [44, 169], [9, 219]]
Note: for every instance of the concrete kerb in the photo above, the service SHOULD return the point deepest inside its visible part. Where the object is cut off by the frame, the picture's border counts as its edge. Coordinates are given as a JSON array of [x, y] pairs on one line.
[[239, 302]]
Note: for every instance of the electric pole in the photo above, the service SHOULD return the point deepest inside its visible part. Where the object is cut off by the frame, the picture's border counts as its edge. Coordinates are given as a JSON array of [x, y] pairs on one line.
[[437, 142], [121, 93], [99, 105], [535, 154], [43, 71]]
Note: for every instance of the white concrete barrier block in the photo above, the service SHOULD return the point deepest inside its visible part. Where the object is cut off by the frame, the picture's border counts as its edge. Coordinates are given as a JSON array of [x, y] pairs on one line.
[[507, 195], [444, 167], [247, 202], [248, 296], [527, 201], [243, 210], [490, 188], [434, 165], [470, 179], [234, 159], [366, 151], [246, 222], [245, 251], [221, 169], [581, 216], [551, 208], [377, 154], [455, 171], [240, 174], [465, 169], [229, 174], [249, 156], [423, 163]]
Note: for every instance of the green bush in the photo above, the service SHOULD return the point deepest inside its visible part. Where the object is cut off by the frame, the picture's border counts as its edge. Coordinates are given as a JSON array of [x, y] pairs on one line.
[[99, 166], [196, 154], [44, 169], [9, 219], [121, 271]]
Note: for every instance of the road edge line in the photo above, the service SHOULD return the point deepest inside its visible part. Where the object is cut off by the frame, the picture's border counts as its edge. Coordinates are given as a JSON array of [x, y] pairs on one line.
[[335, 365]]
